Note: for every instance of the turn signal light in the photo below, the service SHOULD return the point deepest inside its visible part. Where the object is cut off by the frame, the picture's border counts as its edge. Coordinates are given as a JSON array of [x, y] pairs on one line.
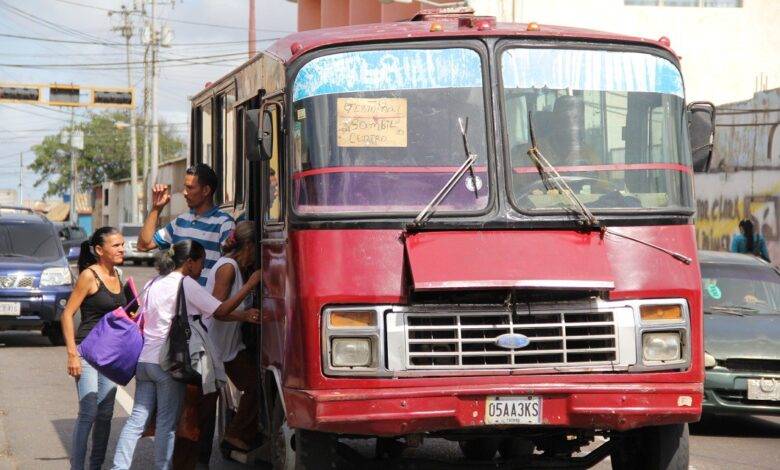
[[660, 312], [353, 319]]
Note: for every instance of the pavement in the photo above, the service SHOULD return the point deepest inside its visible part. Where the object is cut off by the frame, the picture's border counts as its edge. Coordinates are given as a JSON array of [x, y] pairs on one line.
[[38, 407]]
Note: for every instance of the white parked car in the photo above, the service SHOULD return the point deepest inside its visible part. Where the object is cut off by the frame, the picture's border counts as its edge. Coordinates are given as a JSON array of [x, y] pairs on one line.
[[130, 232]]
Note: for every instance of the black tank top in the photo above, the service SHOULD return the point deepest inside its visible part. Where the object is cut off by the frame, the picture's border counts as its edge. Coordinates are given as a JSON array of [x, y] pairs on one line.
[[96, 305]]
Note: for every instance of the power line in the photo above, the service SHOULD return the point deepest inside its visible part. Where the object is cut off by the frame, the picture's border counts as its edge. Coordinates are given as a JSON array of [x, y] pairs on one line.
[[124, 64], [196, 23], [70, 41]]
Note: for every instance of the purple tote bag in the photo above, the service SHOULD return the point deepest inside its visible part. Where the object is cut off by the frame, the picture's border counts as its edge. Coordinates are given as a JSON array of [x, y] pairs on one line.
[[114, 344]]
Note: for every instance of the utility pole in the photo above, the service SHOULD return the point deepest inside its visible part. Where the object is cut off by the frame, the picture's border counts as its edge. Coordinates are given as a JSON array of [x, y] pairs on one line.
[[252, 36], [145, 164], [126, 30], [155, 40]]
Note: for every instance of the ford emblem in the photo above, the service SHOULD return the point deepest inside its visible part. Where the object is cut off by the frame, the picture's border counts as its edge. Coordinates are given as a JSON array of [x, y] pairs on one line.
[[512, 341]]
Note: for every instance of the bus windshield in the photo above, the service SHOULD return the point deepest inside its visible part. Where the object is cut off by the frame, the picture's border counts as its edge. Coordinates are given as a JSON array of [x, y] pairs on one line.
[[611, 123], [376, 131]]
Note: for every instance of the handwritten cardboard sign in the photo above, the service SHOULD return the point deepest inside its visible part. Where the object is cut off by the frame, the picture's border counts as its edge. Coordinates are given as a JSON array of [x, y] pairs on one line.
[[371, 122]]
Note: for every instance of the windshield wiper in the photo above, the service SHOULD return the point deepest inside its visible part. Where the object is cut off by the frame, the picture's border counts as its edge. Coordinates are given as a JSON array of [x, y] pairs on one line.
[[738, 310], [11, 255], [553, 180], [467, 165]]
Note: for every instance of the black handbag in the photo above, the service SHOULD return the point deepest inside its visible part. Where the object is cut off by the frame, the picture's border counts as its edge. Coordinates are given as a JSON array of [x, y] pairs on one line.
[[179, 344]]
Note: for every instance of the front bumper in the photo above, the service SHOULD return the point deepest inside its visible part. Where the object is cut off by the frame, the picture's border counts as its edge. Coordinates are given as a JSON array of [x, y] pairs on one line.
[[725, 393], [38, 307], [399, 411]]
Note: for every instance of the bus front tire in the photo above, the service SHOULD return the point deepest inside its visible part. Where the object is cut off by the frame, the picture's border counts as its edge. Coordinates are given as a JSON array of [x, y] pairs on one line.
[[652, 448]]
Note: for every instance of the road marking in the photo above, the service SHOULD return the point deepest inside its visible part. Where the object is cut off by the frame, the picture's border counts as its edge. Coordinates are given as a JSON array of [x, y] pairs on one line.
[[124, 399]]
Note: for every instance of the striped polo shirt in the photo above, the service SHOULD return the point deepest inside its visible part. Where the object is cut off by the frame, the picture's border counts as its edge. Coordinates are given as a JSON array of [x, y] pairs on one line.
[[209, 229]]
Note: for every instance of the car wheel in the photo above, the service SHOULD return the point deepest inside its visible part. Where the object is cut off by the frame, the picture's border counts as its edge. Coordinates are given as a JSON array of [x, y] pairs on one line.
[[652, 448], [482, 448], [54, 333]]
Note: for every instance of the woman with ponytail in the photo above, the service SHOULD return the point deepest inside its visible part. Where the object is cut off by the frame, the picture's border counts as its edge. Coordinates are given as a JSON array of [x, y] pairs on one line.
[[155, 389], [747, 241], [98, 291]]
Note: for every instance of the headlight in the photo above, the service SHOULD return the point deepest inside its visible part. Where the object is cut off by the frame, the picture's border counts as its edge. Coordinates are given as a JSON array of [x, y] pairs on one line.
[[709, 361], [658, 347], [55, 277], [351, 352]]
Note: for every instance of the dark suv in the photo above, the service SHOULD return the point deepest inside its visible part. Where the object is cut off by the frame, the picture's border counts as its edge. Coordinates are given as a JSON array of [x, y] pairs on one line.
[[35, 280]]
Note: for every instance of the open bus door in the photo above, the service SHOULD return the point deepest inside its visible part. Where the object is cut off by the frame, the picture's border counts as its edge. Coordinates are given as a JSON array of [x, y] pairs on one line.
[[262, 149]]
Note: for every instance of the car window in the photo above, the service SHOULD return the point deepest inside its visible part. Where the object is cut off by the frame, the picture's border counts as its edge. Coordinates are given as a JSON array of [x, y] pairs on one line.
[[29, 240], [751, 290]]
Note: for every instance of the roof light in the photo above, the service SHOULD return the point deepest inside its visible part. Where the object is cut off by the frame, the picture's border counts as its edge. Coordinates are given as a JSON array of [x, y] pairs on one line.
[[532, 26], [436, 27], [664, 41]]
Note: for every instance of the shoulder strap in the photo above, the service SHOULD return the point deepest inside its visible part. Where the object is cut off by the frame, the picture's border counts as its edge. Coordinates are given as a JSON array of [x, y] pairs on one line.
[[97, 277]]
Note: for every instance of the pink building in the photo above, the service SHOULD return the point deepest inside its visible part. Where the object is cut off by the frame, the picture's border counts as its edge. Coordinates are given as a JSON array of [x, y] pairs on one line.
[[313, 14]]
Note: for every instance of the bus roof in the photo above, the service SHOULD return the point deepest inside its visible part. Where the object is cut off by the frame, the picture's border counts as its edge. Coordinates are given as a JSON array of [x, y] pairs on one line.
[[457, 24], [293, 46]]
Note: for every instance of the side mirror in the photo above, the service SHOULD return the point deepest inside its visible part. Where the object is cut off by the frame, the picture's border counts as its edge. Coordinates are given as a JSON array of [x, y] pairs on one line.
[[251, 137], [267, 134], [701, 130]]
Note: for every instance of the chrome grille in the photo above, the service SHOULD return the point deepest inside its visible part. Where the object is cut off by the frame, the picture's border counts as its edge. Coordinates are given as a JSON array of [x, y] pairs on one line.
[[467, 339], [14, 281]]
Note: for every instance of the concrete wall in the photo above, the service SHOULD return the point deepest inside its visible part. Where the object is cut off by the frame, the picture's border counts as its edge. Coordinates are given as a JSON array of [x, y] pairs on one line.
[[723, 50], [723, 199], [744, 179]]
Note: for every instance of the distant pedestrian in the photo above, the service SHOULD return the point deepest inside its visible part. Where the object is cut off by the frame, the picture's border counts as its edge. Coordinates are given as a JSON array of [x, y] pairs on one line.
[[204, 223], [749, 242], [155, 388], [98, 291]]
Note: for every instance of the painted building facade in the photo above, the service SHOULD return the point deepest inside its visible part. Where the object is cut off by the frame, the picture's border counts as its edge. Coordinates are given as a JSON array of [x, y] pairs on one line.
[[744, 176]]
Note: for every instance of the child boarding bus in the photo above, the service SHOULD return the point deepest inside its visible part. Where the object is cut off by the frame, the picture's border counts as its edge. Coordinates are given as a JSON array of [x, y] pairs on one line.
[[468, 230]]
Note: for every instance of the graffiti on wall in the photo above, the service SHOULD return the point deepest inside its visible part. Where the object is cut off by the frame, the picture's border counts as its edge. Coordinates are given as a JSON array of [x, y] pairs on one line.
[[717, 218]]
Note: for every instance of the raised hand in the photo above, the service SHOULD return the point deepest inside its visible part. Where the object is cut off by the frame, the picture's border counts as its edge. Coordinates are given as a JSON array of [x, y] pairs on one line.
[[160, 196]]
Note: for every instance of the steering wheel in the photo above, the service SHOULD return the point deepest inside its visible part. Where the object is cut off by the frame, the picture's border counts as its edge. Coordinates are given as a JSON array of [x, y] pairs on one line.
[[576, 183]]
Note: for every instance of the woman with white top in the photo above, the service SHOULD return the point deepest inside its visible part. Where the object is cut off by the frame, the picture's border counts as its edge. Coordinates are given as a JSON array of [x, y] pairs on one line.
[[155, 388], [225, 280]]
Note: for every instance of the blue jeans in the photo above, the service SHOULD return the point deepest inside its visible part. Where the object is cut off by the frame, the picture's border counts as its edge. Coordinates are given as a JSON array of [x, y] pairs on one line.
[[153, 386], [96, 408]]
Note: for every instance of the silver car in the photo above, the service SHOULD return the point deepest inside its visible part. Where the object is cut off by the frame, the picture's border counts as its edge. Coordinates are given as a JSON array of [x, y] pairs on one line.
[[130, 232]]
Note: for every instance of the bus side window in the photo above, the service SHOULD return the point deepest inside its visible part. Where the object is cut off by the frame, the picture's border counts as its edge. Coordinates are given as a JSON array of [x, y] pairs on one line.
[[273, 209]]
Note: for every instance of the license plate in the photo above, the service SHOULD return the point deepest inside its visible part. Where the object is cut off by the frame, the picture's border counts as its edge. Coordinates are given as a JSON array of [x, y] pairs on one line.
[[13, 309], [764, 389], [525, 409]]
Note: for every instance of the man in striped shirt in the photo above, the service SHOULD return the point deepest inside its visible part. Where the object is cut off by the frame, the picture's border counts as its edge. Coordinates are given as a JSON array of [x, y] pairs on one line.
[[204, 222]]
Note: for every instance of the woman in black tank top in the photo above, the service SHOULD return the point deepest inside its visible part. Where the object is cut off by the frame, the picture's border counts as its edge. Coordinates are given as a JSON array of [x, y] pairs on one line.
[[98, 291]]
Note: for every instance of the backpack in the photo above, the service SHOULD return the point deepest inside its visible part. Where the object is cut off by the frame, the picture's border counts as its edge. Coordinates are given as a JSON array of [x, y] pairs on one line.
[[180, 365]]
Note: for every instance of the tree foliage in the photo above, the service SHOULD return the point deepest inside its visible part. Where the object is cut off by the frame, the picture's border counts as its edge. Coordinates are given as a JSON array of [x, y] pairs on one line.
[[106, 154]]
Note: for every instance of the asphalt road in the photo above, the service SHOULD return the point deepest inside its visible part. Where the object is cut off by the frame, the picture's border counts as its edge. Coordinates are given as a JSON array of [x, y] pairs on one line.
[[38, 406]]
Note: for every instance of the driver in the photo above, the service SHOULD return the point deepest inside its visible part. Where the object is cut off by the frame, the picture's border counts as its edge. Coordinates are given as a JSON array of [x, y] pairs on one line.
[[563, 144]]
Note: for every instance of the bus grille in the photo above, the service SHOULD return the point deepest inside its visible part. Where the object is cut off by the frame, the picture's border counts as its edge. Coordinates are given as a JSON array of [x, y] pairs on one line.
[[467, 340]]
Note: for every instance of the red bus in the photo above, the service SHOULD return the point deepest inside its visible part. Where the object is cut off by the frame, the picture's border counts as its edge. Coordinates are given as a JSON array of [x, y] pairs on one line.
[[469, 230]]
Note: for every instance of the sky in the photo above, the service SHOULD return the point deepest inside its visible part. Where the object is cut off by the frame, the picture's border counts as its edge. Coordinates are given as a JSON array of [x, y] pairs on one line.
[[211, 31]]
